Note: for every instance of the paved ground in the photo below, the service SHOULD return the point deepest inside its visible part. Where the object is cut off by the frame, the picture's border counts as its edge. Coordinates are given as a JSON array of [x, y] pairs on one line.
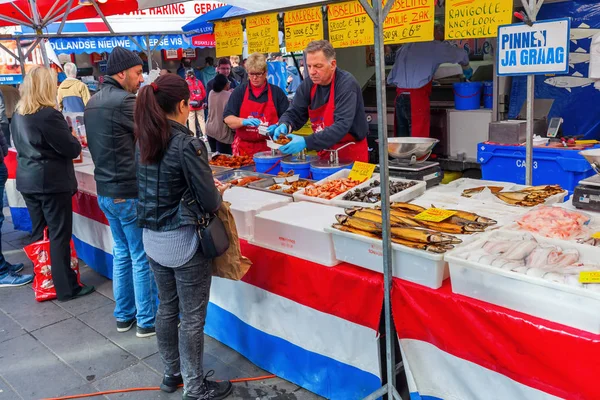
[[55, 349]]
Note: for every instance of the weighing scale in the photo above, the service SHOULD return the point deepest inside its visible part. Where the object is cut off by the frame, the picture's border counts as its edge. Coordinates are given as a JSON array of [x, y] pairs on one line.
[[409, 160], [586, 195]]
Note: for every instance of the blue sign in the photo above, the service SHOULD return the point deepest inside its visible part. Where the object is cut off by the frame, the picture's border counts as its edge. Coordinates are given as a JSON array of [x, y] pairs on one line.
[[11, 79], [529, 50], [100, 44]]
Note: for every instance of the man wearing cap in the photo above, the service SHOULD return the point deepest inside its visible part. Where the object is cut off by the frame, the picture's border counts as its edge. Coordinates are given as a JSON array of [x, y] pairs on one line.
[[412, 74], [108, 120]]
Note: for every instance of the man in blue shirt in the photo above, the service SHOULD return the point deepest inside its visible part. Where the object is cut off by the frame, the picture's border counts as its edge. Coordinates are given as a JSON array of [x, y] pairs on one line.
[[412, 74]]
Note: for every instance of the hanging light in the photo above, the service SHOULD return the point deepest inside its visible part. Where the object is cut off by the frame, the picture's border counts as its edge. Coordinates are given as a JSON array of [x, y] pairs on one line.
[[102, 1], [85, 2]]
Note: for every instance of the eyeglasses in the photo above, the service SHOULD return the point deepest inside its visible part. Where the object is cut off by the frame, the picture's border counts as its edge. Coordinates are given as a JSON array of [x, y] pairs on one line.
[[256, 74]]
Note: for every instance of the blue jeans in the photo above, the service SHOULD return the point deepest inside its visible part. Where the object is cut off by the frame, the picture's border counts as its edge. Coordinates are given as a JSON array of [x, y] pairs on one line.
[[133, 283], [3, 179]]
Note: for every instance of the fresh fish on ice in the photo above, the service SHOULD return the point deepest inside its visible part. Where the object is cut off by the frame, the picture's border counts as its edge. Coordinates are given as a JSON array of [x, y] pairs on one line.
[[499, 262], [538, 258], [536, 272], [563, 259], [583, 31], [568, 82], [498, 246], [521, 270], [510, 266], [520, 250], [578, 57], [554, 277]]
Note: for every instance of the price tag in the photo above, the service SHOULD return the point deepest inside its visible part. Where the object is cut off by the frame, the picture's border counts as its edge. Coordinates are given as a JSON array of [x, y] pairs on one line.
[[302, 27], [361, 171], [262, 32], [589, 277], [349, 25], [228, 38], [596, 235], [409, 23], [435, 215]]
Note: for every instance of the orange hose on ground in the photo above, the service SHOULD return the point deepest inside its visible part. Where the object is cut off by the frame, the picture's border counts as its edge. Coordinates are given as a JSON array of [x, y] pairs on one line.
[[81, 396]]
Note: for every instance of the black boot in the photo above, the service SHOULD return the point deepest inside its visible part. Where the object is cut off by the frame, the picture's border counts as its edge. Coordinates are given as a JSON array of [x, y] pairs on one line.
[[171, 383], [211, 390]]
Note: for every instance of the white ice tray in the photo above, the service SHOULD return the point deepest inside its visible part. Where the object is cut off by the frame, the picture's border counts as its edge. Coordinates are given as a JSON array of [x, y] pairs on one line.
[[246, 203], [561, 303], [300, 196], [418, 266], [298, 229], [403, 196]]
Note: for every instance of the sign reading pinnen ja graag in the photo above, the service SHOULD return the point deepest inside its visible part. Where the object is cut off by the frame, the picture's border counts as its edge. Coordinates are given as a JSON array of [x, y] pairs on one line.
[[539, 49]]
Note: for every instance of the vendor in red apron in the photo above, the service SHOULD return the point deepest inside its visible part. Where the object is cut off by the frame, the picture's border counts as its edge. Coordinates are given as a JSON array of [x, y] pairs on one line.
[[332, 100], [413, 71], [253, 104]]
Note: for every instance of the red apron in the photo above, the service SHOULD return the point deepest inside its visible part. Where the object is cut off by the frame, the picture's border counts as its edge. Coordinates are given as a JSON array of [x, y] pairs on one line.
[[247, 140], [322, 117], [420, 113]]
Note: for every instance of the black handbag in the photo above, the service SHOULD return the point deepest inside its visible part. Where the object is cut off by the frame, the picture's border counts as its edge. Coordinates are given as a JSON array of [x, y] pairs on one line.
[[214, 240]]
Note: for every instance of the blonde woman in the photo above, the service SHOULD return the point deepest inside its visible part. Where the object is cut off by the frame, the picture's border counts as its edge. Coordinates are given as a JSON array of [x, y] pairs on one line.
[[45, 174]]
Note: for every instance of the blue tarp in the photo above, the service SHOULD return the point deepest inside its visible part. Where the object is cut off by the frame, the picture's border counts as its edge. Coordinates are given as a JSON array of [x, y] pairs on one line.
[[202, 24], [100, 44], [575, 97]]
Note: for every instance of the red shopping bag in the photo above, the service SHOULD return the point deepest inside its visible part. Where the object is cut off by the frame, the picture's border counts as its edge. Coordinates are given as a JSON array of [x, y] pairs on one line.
[[39, 254]]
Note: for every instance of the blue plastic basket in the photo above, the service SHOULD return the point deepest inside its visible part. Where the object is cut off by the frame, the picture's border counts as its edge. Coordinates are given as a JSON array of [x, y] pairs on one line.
[[551, 166]]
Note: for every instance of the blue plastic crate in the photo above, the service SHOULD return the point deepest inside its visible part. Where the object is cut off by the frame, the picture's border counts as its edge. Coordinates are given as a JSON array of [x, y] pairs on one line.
[[550, 165]]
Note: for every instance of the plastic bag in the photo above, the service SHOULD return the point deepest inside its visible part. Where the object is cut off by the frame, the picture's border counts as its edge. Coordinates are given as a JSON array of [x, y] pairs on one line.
[[39, 254]]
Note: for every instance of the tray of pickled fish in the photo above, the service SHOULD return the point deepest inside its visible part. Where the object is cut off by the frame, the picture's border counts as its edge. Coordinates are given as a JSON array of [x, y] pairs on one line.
[[233, 162], [418, 246], [531, 274], [285, 188], [368, 194], [239, 177]]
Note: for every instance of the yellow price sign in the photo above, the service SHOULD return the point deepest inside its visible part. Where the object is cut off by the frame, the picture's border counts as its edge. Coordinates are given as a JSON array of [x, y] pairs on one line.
[[409, 21], [302, 27], [361, 171], [229, 38], [435, 215], [589, 277], [596, 235], [349, 25], [471, 19], [263, 33]]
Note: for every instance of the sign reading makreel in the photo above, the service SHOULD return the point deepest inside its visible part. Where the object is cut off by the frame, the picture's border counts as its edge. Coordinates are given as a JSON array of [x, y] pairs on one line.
[[539, 49], [476, 18], [263, 33], [229, 38], [302, 27]]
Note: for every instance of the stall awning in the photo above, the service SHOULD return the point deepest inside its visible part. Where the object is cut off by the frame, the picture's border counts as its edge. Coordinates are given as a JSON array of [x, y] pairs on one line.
[[202, 25], [100, 44]]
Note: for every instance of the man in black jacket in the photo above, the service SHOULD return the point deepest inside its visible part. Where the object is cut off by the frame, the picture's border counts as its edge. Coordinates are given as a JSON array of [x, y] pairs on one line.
[[109, 124]]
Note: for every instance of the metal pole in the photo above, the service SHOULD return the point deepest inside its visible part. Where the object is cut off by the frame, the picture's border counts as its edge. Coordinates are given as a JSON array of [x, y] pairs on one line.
[[22, 13], [36, 21], [532, 10], [64, 20], [101, 14], [495, 85], [21, 57]]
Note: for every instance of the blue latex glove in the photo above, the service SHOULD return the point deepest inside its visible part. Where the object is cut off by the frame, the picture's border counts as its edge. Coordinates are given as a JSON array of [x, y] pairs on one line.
[[251, 122], [277, 130], [468, 73], [295, 146]]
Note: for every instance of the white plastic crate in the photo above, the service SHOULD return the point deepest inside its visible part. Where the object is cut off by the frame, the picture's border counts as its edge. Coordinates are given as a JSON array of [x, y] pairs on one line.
[[561, 303], [403, 196], [300, 196], [298, 229], [418, 266], [246, 203]]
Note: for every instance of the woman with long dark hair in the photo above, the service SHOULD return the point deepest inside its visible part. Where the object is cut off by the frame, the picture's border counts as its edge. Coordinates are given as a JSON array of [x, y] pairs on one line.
[[171, 164]]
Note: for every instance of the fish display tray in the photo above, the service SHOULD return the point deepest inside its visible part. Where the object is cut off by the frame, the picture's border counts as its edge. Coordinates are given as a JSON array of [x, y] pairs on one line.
[[233, 174], [216, 170], [404, 196], [246, 203], [249, 167], [264, 185], [561, 303], [298, 229], [301, 196], [418, 266]]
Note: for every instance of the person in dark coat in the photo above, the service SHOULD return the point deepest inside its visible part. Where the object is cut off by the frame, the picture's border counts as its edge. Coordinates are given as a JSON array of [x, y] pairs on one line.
[[45, 174]]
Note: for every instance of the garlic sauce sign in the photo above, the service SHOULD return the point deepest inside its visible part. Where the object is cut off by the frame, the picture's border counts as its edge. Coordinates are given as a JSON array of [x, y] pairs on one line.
[[534, 50]]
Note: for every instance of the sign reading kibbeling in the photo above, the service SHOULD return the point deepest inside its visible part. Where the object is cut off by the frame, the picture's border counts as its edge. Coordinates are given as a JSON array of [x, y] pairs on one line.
[[534, 50]]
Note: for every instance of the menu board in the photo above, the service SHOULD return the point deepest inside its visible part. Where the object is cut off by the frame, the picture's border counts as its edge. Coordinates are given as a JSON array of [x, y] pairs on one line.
[[349, 25], [302, 27], [409, 21], [229, 38], [470, 19], [263, 33]]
